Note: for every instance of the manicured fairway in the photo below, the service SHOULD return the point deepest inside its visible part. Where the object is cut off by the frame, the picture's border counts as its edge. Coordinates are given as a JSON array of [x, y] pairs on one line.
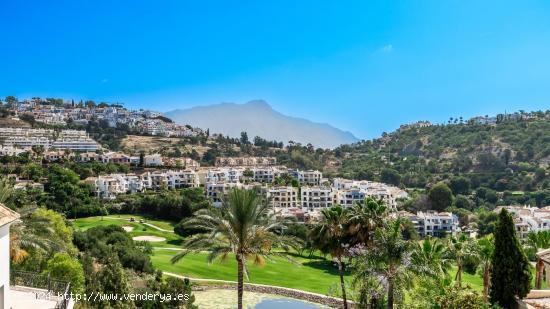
[[138, 229], [314, 275]]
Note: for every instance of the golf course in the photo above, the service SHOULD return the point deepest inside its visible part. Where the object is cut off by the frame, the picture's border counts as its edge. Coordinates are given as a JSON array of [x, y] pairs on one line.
[[314, 274]]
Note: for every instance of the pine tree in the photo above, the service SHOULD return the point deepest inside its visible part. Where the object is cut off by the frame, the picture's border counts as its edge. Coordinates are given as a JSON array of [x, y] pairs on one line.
[[113, 281], [511, 275]]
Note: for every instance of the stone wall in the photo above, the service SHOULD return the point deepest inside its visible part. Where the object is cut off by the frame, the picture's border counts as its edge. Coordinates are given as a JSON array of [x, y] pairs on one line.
[[332, 302]]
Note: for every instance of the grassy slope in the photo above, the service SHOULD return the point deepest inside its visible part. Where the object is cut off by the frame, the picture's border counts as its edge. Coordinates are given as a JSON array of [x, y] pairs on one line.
[[314, 275]]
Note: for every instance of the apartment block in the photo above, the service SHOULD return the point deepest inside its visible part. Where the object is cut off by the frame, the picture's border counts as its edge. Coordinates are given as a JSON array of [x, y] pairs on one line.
[[316, 198], [245, 161], [283, 197], [436, 224]]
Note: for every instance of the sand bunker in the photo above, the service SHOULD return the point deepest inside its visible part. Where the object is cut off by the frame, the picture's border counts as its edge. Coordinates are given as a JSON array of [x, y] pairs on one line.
[[149, 238], [128, 228]]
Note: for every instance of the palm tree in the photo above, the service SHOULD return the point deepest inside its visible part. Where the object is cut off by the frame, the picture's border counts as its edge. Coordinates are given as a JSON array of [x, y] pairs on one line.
[[33, 233], [460, 248], [364, 218], [331, 236], [390, 261], [484, 251], [430, 258], [6, 189], [535, 242], [241, 226]]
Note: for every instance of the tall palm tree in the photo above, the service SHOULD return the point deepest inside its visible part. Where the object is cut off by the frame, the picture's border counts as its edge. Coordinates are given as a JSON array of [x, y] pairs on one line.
[[331, 236], [485, 247], [430, 258], [364, 218], [460, 248], [6, 189], [535, 242], [390, 261], [242, 226]]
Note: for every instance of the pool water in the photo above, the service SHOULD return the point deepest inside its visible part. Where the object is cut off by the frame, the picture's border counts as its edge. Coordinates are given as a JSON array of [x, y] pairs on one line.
[[227, 299]]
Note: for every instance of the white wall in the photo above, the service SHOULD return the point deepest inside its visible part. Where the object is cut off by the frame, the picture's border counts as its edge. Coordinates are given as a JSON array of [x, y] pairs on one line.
[[5, 265]]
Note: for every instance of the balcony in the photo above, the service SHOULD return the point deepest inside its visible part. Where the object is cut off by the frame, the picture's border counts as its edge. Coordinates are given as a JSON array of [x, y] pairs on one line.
[[31, 291]]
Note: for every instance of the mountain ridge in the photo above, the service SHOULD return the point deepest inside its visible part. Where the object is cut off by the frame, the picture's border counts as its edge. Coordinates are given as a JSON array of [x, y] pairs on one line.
[[258, 118]]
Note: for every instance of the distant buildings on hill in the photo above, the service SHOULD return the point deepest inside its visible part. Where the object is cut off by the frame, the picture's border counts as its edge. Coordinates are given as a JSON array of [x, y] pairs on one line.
[[53, 112], [23, 138]]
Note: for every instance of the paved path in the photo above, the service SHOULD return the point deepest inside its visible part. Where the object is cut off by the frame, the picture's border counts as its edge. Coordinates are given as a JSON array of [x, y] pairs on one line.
[[148, 224], [158, 228]]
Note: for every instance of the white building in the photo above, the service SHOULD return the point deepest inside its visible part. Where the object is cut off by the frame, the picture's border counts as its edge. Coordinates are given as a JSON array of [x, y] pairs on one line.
[[265, 174], [437, 224], [310, 177], [283, 197], [11, 151], [153, 160], [7, 217], [39, 295], [316, 198], [349, 197], [216, 191], [230, 175]]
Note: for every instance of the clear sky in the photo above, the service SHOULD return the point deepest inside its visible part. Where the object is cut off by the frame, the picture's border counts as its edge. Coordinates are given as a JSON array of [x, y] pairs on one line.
[[363, 66]]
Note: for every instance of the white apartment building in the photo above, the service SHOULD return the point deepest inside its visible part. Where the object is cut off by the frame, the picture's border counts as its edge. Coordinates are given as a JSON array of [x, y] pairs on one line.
[[27, 142], [528, 219], [216, 191], [436, 224], [172, 179], [245, 161], [87, 144], [349, 197], [354, 188], [316, 198], [107, 187], [153, 160], [283, 197], [229, 175], [11, 151], [66, 139], [310, 177], [265, 174]]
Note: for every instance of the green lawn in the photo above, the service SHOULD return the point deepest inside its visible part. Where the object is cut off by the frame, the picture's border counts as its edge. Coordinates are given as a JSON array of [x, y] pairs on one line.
[[314, 275], [139, 229], [476, 281]]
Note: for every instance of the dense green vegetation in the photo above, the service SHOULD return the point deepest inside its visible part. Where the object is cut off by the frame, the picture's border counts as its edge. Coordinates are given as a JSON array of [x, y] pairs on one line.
[[489, 164]]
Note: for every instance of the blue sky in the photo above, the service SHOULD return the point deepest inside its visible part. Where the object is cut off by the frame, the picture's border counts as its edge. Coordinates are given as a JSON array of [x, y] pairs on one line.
[[363, 66]]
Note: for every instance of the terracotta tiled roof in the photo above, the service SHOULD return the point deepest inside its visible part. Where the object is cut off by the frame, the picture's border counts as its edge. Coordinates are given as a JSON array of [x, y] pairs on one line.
[[7, 215]]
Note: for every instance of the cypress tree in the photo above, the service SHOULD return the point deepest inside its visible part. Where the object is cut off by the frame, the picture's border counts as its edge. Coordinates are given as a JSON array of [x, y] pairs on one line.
[[511, 275]]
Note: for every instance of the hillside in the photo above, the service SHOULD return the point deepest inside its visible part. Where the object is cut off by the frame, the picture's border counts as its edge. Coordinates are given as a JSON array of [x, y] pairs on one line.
[[257, 118], [512, 157]]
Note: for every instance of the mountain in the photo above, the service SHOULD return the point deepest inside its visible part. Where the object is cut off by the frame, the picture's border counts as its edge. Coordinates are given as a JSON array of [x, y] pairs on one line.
[[257, 118]]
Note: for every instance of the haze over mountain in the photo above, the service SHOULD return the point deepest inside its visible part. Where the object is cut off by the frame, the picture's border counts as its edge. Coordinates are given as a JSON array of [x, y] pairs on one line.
[[257, 118]]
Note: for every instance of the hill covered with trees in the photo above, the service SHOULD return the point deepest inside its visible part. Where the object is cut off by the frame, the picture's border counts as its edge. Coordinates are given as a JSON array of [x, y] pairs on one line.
[[492, 163]]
